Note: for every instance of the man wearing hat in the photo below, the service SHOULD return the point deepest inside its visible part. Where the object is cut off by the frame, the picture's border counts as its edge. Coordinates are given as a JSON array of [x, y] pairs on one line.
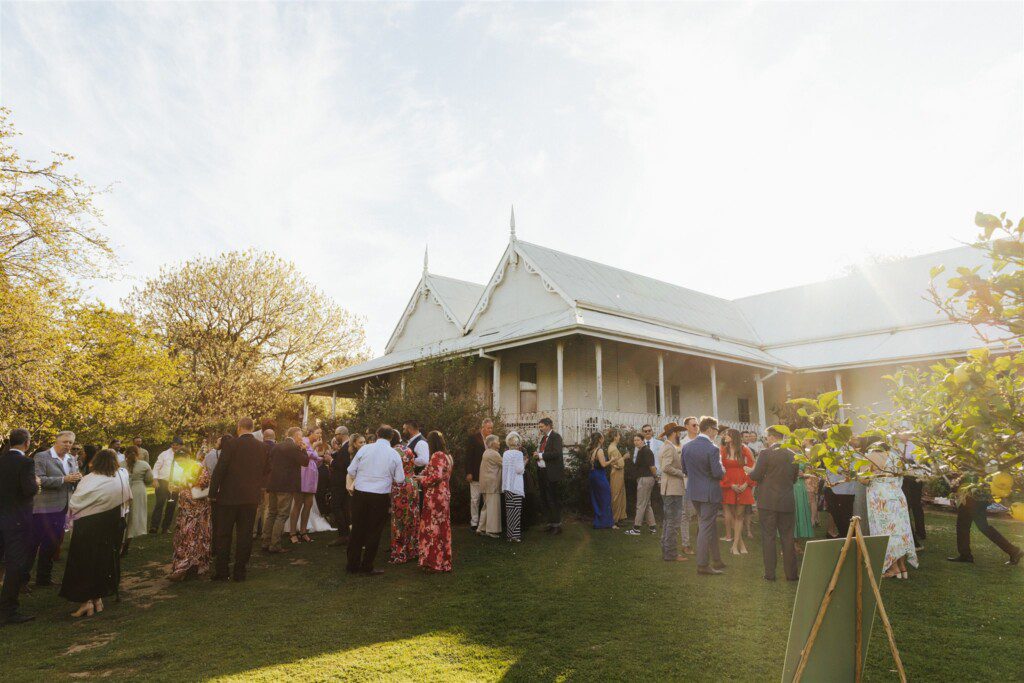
[[163, 511], [702, 462], [673, 488]]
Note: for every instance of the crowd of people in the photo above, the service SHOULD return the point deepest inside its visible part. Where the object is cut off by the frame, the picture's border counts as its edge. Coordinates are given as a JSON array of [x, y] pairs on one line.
[[250, 487]]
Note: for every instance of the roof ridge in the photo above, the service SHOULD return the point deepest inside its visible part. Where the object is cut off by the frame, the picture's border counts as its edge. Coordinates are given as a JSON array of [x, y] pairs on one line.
[[455, 279]]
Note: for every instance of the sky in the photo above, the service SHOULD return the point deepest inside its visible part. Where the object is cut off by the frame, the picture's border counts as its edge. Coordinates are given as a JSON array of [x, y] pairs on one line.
[[732, 148]]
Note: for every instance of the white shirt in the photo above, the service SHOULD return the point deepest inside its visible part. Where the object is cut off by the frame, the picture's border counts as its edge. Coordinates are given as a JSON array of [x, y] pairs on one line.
[[164, 463], [63, 462], [512, 468], [421, 452], [376, 467]]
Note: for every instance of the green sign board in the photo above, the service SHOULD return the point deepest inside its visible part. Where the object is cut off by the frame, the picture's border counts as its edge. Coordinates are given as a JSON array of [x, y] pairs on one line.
[[832, 658]]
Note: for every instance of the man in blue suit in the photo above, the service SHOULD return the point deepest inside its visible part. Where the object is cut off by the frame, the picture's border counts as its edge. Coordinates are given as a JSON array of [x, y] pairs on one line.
[[702, 463]]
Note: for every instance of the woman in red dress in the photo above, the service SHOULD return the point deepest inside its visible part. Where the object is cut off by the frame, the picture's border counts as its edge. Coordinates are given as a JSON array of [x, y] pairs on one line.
[[405, 510], [435, 537], [737, 488]]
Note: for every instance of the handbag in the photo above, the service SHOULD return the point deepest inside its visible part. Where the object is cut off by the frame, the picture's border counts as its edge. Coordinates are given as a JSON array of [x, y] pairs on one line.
[[199, 494]]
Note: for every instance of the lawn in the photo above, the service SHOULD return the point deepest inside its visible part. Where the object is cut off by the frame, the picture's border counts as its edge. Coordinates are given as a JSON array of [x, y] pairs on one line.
[[588, 605]]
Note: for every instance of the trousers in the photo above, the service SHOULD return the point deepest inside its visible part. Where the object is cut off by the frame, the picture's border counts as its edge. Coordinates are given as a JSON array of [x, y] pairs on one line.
[[707, 533], [781, 524], [644, 509], [234, 520], [369, 515]]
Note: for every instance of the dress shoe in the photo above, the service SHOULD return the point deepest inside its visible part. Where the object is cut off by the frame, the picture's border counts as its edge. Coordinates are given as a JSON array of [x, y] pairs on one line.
[[796, 578], [709, 571], [1014, 559], [219, 577], [555, 530], [688, 550], [960, 558], [769, 578], [18, 618], [338, 541], [718, 565]]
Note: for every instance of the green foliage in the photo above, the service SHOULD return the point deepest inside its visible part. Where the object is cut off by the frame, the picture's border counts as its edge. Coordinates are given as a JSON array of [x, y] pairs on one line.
[[824, 444]]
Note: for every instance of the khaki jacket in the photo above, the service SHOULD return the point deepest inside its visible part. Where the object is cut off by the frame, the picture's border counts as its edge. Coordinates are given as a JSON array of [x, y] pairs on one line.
[[490, 472], [673, 481]]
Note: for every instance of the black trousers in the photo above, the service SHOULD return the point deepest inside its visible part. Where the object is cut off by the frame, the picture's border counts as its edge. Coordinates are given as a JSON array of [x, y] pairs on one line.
[[163, 509], [840, 506], [339, 506], [779, 523], [234, 520], [16, 545], [975, 512], [47, 534], [369, 514], [912, 488], [550, 494]]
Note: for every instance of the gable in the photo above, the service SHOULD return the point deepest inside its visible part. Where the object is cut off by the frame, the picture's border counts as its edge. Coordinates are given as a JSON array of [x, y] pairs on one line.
[[517, 293], [425, 324]]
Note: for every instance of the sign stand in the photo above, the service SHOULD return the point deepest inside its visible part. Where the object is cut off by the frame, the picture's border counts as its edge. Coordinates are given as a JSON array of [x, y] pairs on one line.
[[854, 538]]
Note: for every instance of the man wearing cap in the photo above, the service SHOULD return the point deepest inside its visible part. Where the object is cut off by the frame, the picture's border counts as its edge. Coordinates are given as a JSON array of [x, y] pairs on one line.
[[702, 463], [163, 511]]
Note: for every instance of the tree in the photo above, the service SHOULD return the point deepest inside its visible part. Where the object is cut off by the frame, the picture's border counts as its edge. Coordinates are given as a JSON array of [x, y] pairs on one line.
[[245, 325], [48, 221]]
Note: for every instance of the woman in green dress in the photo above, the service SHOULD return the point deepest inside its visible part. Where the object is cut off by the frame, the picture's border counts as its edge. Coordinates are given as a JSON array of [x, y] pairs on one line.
[[803, 528], [140, 475]]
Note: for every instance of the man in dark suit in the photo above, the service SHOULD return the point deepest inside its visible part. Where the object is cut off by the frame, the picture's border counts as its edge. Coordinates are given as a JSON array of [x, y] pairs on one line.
[[474, 456], [286, 460], [18, 485], [235, 489], [702, 463], [551, 470], [340, 460], [775, 473]]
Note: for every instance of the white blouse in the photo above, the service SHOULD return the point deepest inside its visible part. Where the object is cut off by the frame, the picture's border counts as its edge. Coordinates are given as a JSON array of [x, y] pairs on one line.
[[97, 493], [512, 468]]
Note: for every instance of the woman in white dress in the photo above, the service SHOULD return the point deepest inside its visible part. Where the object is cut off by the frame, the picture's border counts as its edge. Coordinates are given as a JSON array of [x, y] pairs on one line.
[[140, 475], [888, 514]]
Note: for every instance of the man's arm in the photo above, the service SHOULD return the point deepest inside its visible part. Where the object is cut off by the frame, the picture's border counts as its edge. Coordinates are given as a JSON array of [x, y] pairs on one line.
[[715, 463], [757, 473], [28, 479], [554, 445], [397, 470], [421, 453], [217, 476], [666, 461]]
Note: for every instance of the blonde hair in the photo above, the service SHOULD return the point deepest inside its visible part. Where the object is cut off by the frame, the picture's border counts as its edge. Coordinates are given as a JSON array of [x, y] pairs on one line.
[[513, 440]]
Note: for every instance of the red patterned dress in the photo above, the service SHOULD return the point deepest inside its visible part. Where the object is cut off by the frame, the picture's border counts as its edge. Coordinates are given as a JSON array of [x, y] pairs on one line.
[[193, 534], [436, 523], [405, 513]]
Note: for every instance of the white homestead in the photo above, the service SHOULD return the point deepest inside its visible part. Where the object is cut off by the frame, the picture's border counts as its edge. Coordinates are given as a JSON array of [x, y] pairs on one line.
[[592, 346]]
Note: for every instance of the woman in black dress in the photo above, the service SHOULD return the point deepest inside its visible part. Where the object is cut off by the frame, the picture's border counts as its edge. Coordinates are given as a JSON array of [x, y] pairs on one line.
[[98, 506]]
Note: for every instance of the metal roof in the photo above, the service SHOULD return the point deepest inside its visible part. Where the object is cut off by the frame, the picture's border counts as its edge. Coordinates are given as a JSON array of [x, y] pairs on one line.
[[460, 295]]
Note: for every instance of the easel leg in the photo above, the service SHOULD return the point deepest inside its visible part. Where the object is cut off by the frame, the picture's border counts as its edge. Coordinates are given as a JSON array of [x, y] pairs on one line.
[[862, 547], [859, 663]]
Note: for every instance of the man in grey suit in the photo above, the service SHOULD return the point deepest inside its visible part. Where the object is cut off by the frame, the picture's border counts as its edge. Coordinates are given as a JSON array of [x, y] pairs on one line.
[[50, 506], [775, 472], [702, 463]]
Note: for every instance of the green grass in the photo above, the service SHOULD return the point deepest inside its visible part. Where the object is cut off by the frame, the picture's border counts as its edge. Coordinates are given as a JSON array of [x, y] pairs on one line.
[[588, 605]]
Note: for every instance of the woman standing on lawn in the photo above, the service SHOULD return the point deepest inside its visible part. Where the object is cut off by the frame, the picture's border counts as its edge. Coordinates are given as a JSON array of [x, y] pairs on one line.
[[193, 534], [435, 534], [98, 506], [405, 509], [616, 475], [600, 489], [802, 527], [303, 503], [737, 487], [888, 514], [140, 475], [513, 464], [490, 488]]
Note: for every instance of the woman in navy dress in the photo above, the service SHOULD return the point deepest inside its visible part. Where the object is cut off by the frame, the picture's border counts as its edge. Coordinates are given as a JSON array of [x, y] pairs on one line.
[[600, 489]]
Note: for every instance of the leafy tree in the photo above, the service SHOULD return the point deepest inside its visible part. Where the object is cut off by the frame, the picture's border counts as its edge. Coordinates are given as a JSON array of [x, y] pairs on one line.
[[245, 325]]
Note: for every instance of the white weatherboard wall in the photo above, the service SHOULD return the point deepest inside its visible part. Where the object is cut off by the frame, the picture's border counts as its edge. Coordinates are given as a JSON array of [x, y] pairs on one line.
[[426, 324], [520, 295]]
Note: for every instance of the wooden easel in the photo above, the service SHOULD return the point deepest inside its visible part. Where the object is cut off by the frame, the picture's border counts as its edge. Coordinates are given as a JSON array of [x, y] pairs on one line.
[[853, 537]]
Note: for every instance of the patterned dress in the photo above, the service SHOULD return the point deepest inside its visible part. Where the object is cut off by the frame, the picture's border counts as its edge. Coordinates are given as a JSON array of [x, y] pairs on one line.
[[192, 535], [888, 515], [405, 514], [435, 523]]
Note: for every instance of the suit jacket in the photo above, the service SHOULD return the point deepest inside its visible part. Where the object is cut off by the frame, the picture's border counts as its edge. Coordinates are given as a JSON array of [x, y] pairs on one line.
[[286, 462], [54, 494], [775, 472], [702, 463], [490, 472], [474, 454], [673, 483], [339, 469], [554, 465], [17, 488], [238, 477]]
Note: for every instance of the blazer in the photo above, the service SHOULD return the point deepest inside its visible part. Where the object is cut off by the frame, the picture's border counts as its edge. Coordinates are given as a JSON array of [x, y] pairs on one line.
[[554, 466], [238, 477], [17, 489], [490, 472], [775, 473], [474, 454], [673, 483], [286, 462], [54, 494], [702, 463], [339, 469]]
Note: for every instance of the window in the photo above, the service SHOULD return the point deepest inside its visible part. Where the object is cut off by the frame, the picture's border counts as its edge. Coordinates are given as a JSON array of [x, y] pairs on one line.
[[653, 399], [527, 387], [674, 399], [743, 409]]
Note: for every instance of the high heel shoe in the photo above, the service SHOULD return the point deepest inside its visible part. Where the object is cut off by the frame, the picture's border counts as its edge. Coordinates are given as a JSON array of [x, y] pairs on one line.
[[734, 551], [86, 610], [98, 604]]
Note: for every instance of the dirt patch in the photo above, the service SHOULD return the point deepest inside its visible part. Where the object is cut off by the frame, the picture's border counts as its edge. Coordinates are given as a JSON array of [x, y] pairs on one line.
[[298, 563], [97, 641], [106, 673], [143, 590]]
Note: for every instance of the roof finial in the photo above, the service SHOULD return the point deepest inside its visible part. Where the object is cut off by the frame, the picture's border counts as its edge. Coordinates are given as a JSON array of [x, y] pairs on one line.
[[425, 254], [512, 223]]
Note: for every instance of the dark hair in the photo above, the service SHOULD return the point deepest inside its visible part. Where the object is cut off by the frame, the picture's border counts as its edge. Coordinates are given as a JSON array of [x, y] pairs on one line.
[[595, 443], [394, 438], [435, 440], [611, 433], [105, 463], [546, 421], [131, 456], [19, 437], [687, 419], [643, 427], [412, 423], [224, 440], [772, 431], [246, 424], [735, 449], [384, 432], [707, 422]]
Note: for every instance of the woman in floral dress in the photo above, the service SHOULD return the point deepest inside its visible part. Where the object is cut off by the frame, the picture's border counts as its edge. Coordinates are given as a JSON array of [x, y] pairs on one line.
[[435, 524], [888, 514], [192, 536], [405, 510]]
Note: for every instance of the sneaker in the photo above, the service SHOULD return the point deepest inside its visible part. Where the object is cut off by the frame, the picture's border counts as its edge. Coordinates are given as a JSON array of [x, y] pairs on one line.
[[654, 530], [633, 532]]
